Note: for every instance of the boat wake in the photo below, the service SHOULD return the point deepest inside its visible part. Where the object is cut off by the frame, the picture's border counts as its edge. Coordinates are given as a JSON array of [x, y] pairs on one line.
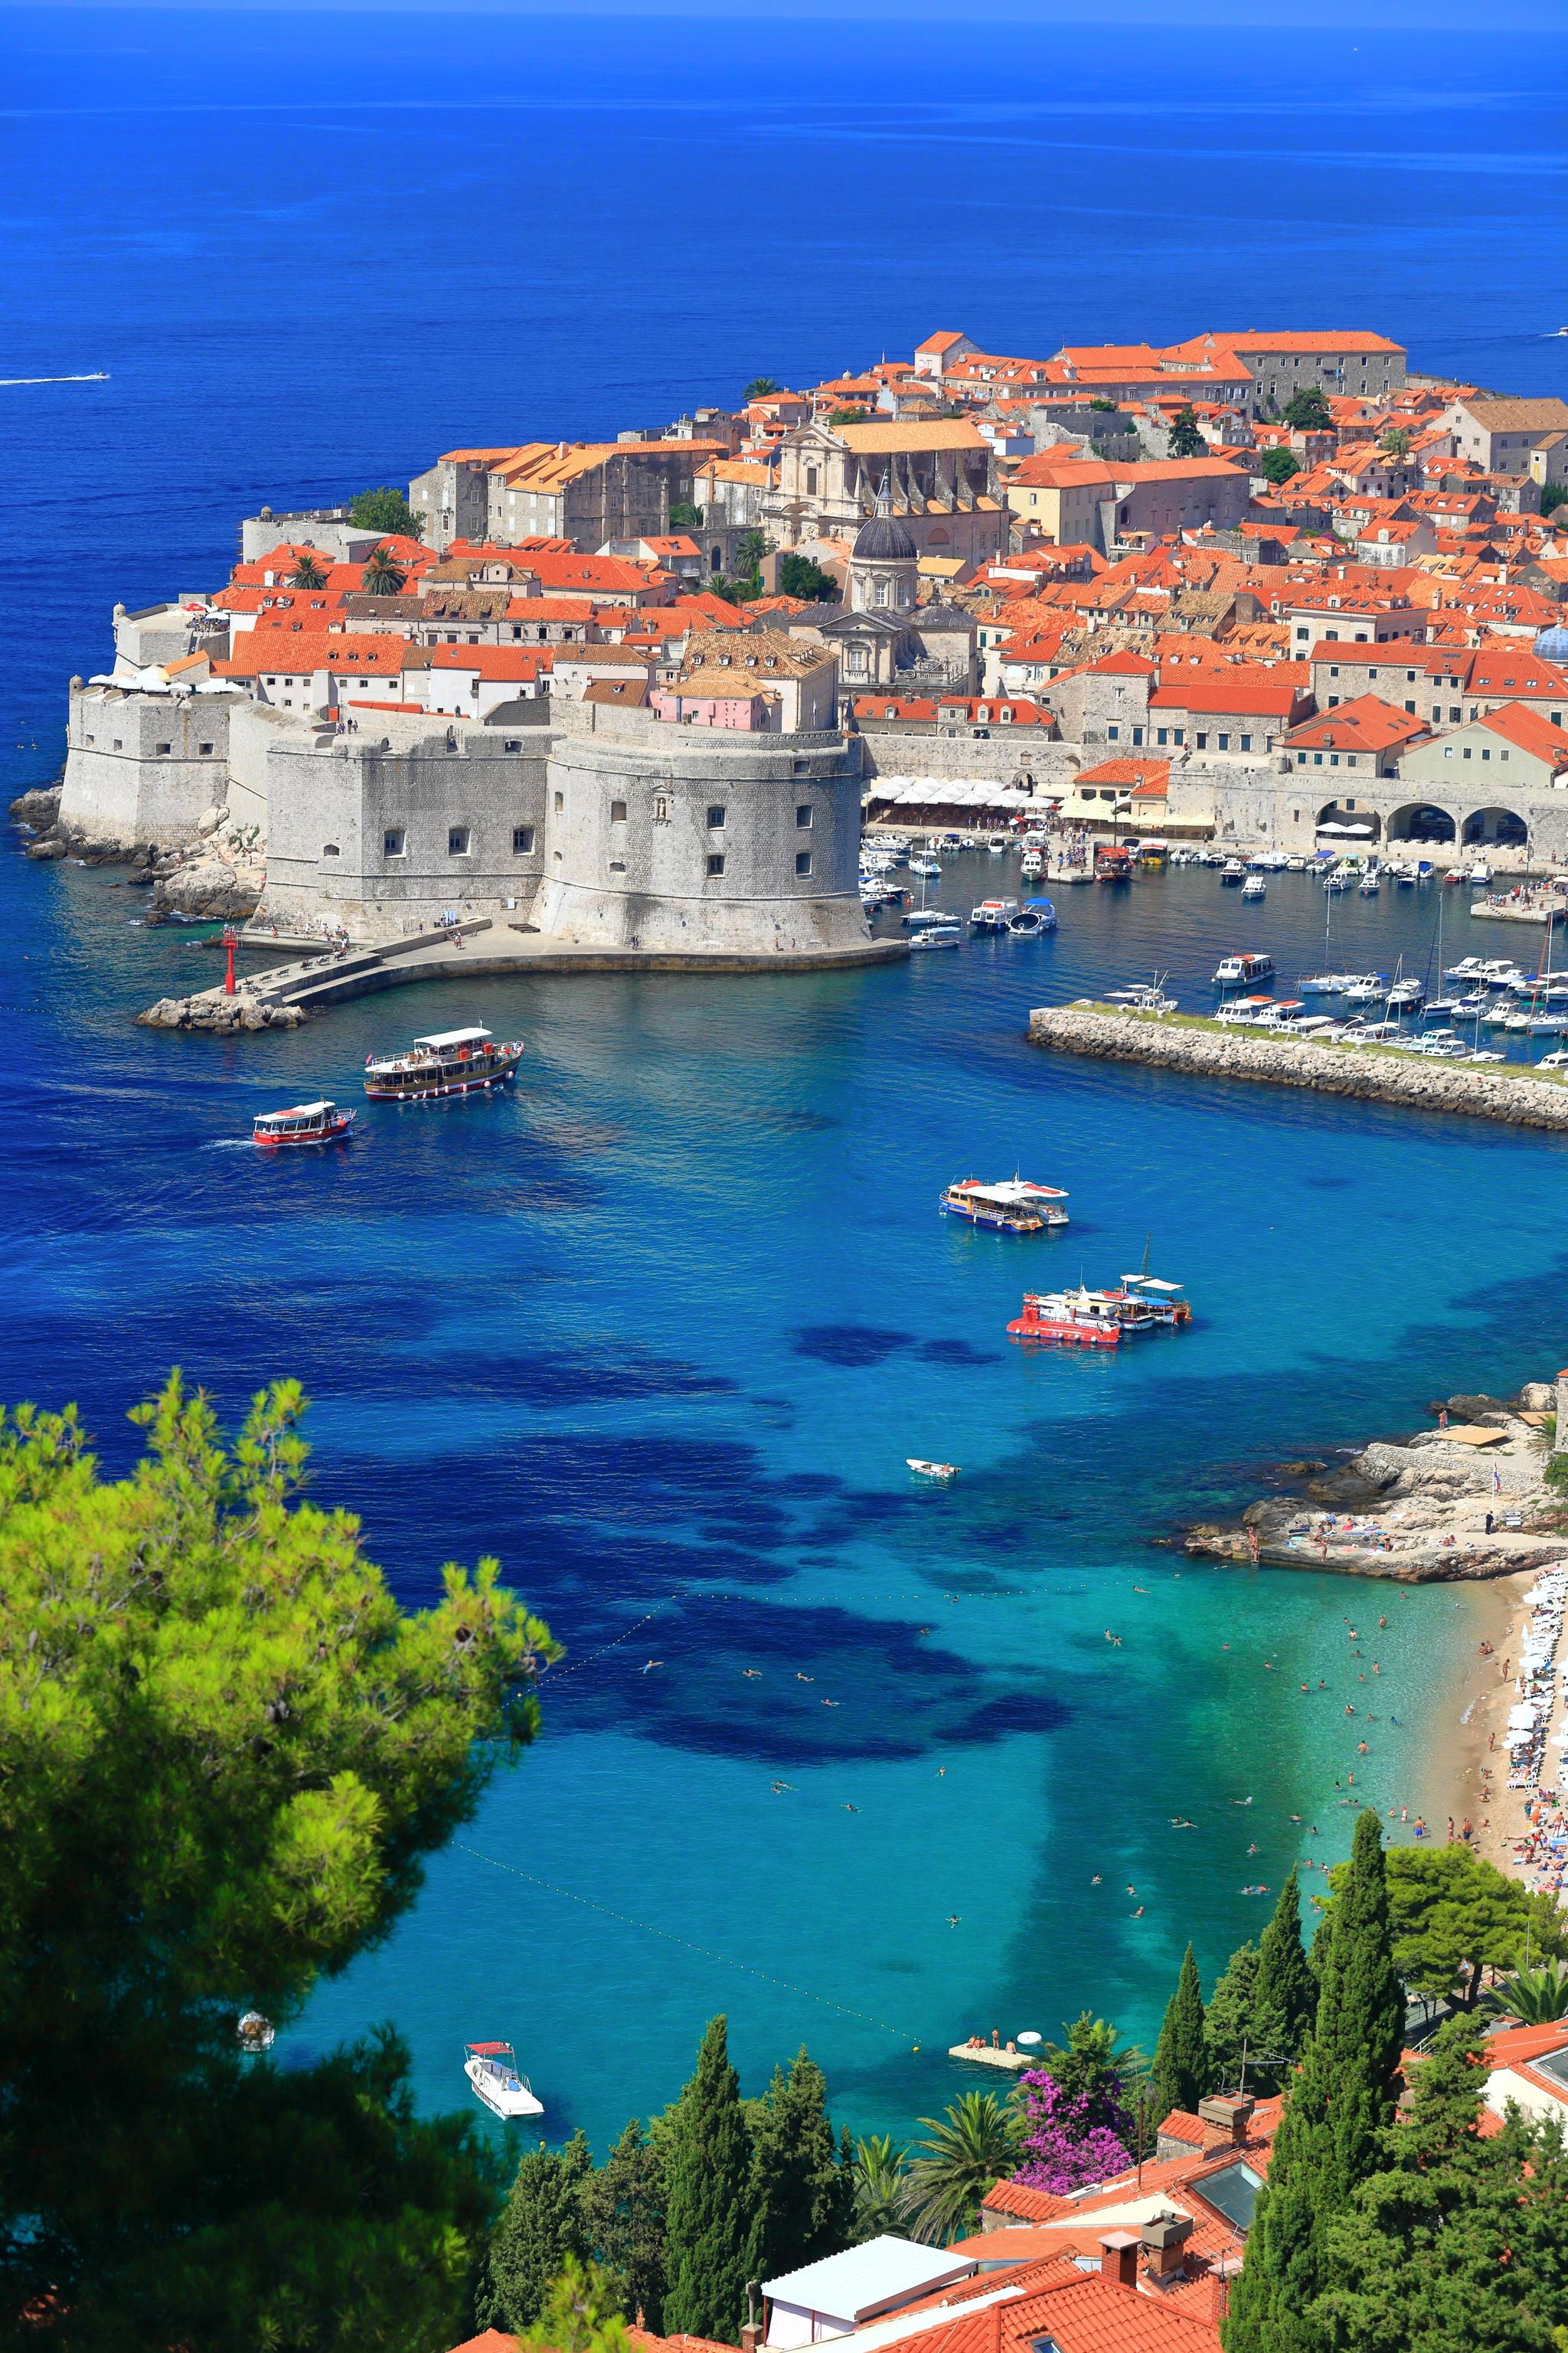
[[94, 375], [227, 1144]]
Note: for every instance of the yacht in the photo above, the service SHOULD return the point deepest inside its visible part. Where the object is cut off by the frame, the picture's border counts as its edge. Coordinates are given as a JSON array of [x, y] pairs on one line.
[[491, 2068]]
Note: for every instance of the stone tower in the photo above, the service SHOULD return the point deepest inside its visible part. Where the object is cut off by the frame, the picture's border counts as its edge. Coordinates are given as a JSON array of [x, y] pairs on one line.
[[883, 567]]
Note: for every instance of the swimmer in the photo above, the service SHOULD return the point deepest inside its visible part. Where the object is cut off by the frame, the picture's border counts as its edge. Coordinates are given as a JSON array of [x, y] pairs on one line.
[[782, 1785], [849, 1808], [755, 1673], [651, 1664], [830, 1702], [804, 1679]]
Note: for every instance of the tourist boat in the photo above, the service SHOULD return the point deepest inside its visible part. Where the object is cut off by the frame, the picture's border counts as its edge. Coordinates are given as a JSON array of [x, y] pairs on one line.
[[944, 933], [1027, 924], [1010, 1206], [1254, 887], [1057, 1316], [1244, 1012], [312, 1123], [448, 1063], [1032, 866], [1113, 862], [1232, 871], [491, 2068], [993, 915], [1242, 971], [944, 1473]]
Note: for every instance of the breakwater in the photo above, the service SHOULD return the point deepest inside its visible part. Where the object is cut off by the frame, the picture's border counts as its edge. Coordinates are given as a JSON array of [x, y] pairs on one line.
[[1183, 1042]]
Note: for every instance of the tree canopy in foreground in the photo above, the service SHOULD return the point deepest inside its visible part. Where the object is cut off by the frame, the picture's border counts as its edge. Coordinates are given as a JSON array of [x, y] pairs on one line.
[[224, 1751]]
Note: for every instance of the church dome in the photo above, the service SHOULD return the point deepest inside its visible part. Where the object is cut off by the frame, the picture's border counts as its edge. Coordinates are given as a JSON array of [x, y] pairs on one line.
[[1551, 644], [883, 539]]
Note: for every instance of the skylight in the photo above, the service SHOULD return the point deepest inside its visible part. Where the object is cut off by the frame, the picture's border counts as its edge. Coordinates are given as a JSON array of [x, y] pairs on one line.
[[1234, 2189]]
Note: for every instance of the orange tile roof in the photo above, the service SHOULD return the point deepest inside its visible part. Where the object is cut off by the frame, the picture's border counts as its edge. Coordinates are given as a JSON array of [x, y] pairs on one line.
[[1527, 730], [1149, 776], [1366, 724]]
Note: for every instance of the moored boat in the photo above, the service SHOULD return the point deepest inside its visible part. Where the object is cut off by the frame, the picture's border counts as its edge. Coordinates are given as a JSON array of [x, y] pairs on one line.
[[1073, 1319], [1011, 1206], [1242, 971], [492, 2068], [312, 1123], [448, 1063], [944, 1473]]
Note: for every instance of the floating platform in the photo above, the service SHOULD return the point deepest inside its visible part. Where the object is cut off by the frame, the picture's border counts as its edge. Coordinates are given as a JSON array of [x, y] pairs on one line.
[[984, 2054]]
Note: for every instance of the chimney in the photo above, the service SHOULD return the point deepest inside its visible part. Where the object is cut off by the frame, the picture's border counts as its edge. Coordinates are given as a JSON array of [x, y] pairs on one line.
[[1164, 2239], [1225, 2122], [751, 2336], [1119, 2257]]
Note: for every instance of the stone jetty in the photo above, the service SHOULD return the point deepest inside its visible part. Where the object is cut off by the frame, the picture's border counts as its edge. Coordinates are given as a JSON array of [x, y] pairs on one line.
[[1276, 1059]]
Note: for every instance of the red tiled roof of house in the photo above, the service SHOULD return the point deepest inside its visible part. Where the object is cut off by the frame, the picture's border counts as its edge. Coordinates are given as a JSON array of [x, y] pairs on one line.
[[1149, 777], [1248, 691], [1528, 730], [1366, 724]]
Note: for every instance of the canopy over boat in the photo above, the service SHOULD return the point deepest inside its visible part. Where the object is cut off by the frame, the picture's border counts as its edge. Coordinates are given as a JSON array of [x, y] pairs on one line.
[[1150, 1283], [1012, 1193], [295, 1111], [490, 2050], [443, 1038]]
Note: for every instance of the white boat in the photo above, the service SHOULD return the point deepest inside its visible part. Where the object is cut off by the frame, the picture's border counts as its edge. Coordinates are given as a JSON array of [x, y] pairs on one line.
[[1481, 874], [1242, 971], [492, 2068], [1033, 865], [1144, 997], [945, 935], [998, 844], [1233, 870], [993, 915], [942, 1472], [312, 1123], [1009, 1205], [1254, 887], [921, 919], [1557, 1060], [1367, 990], [1244, 1012], [1336, 881], [256, 2033], [1369, 886], [925, 865]]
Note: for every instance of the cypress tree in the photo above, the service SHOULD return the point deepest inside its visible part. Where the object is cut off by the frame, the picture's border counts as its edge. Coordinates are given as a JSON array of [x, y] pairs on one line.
[[798, 2204], [1228, 2020], [1286, 1995], [622, 2207], [708, 2214], [541, 2226], [1179, 2076], [1336, 2112]]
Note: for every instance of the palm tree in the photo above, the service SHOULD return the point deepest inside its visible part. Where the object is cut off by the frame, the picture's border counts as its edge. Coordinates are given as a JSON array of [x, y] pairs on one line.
[[882, 2188], [383, 577], [307, 572], [760, 387], [967, 2152], [1536, 1996]]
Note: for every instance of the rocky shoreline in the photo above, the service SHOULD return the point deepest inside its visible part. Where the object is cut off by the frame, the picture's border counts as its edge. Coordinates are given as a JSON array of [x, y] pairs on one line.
[[1414, 1509], [218, 878], [1157, 1042]]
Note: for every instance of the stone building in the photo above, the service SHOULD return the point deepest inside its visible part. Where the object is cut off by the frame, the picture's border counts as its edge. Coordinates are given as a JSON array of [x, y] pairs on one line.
[[940, 479], [586, 492]]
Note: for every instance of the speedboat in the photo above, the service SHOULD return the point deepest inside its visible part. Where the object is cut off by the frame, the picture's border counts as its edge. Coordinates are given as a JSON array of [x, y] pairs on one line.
[[446, 1063], [1012, 1204], [1242, 971], [1481, 874], [999, 844], [491, 2068], [312, 1123], [1254, 887], [925, 865], [944, 1473]]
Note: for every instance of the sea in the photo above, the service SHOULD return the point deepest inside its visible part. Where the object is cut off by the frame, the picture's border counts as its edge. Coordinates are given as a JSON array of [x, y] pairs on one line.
[[866, 1764]]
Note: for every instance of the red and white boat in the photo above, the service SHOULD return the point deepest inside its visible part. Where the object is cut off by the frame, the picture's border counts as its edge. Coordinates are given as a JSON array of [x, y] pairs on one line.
[[312, 1123], [1099, 1319], [448, 1063]]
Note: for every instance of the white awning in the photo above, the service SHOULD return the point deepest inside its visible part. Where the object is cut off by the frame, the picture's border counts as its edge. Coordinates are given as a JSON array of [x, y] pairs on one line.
[[453, 1038]]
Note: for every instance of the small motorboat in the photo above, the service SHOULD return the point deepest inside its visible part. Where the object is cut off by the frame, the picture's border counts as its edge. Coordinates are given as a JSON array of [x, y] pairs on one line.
[[312, 1123], [945, 935], [492, 2068], [1232, 871], [1144, 997], [925, 865], [944, 1473], [1254, 887], [1032, 865]]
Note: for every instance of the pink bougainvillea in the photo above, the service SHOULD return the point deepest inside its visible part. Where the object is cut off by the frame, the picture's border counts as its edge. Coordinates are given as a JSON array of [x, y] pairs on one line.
[[1071, 2141]]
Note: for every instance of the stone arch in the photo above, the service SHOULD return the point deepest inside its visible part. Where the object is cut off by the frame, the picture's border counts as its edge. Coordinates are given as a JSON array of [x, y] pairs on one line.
[[1422, 821], [938, 536], [1495, 826], [1358, 828]]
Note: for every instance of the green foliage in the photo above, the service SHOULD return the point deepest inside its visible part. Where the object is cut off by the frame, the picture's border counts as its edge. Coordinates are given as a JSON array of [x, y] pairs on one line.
[[1228, 2021], [623, 2221], [1186, 435], [965, 2153], [849, 416], [541, 2229], [1277, 465], [1534, 1997], [1450, 2242], [387, 510], [801, 2199], [1307, 411], [1105, 408], [382, 574], [1395, 442], [706, 2213], [1553, 496], [1095, 2065], [760, 387], [1179, 2075], [579, 2314], [799, 576], [308, 572], [880, 2185], [1455, 1915], [224, 1754], [684, 516], [1336, 2111], [1287, 1996]]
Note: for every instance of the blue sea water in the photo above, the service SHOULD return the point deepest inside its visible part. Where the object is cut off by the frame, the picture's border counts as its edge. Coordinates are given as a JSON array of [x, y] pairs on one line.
[[660, 1328]]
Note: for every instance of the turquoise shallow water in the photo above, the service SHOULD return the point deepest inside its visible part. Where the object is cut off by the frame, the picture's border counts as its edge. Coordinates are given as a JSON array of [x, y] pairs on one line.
[[659, 1329]]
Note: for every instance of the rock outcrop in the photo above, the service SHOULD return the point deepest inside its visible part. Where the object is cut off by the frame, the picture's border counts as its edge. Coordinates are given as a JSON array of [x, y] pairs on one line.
[[219, 1015], [39, 809], [1282, 1061]]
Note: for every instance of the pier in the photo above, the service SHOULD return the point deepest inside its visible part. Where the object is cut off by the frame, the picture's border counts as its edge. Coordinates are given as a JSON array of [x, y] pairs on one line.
[[1518, 1098], [283, 995]]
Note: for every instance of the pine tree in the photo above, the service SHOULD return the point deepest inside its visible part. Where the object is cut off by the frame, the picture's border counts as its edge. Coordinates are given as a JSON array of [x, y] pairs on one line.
[[579, 2315], [1338, 2107], [798, 2207], [1179, 2076], [1186, 436], [1287, 1996], [622, 2210], [540, 2229], [708, 2214], [1228, 2027]]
